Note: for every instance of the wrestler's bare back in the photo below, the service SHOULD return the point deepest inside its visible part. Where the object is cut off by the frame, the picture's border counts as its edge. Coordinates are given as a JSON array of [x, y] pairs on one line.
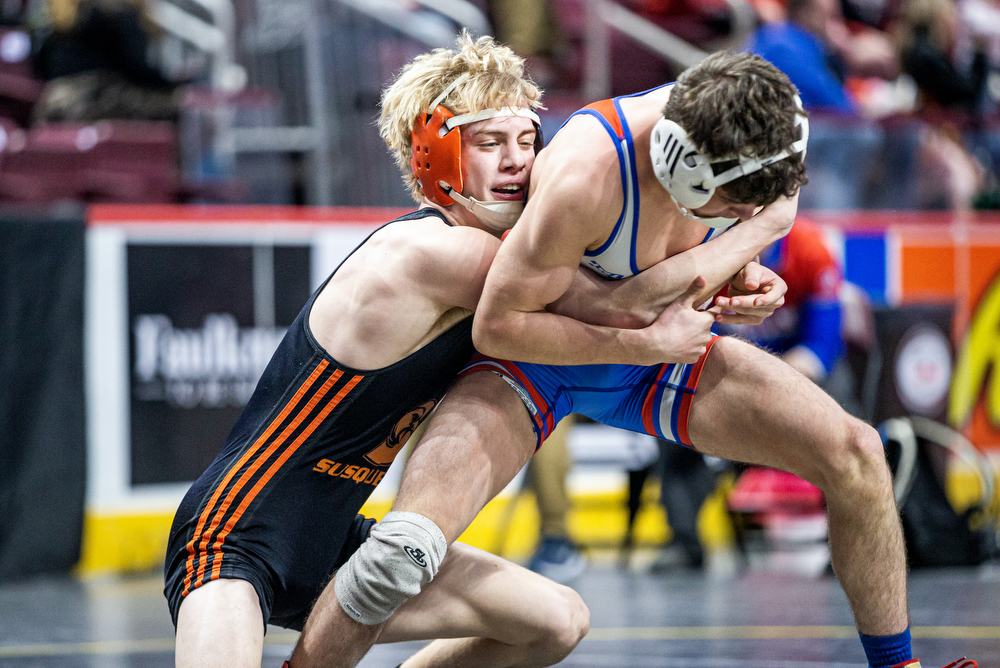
[[411, 281]]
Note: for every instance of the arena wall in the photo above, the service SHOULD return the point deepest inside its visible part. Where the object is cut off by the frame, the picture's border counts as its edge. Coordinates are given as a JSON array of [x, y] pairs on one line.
[[182, 307]]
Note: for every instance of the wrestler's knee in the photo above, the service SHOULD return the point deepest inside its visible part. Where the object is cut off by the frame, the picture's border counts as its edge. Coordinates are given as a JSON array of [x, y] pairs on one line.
[[855, 463], [566, 623], [402, 553]]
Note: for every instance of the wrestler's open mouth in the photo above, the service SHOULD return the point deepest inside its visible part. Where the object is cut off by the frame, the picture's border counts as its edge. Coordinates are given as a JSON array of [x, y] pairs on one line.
[[510, 191]]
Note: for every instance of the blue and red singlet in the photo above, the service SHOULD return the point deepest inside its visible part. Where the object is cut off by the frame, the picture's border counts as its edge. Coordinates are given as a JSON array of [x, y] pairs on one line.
[[651, 399]]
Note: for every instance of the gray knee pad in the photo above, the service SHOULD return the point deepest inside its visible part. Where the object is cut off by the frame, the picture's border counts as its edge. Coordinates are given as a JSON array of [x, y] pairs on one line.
[[402, 554]]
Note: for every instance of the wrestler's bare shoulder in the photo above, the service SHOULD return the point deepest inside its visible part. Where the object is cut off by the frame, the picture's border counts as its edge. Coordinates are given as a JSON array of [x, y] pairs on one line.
[[577, 176], [399, 288], [643, 111], [417, 259], [582, 143]]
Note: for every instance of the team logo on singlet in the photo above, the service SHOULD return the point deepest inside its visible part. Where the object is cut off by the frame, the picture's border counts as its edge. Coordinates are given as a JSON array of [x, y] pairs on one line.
[[400, 434]]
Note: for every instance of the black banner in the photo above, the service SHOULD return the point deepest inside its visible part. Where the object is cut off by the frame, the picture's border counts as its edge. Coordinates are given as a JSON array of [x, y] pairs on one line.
[[42, 412], [204, 320]]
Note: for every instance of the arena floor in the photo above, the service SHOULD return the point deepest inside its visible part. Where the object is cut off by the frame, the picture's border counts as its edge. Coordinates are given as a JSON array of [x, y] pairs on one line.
[[742, 618]]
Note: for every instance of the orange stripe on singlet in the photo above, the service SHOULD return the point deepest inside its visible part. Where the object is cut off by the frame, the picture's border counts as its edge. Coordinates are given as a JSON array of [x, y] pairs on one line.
[[289, 451], [250, 472], [607, 109], [243, 460]]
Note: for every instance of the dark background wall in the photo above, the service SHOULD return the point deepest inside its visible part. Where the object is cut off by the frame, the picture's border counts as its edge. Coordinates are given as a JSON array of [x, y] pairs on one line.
[[42, 423]]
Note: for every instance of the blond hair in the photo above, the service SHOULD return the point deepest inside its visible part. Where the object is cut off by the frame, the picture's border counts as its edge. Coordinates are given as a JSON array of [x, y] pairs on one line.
[[495, 79]]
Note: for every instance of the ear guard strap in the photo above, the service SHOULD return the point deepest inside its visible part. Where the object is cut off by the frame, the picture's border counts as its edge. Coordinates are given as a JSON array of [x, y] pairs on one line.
[[751, 165]]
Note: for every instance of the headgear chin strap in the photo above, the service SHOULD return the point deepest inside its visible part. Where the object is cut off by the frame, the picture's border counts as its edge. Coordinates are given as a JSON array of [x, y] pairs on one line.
[[716, 223], [496, 215], [436, 158], [687, 174]]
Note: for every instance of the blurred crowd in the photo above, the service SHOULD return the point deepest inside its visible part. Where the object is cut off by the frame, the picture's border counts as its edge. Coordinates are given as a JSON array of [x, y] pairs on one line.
[[856, 62], [95, 59]]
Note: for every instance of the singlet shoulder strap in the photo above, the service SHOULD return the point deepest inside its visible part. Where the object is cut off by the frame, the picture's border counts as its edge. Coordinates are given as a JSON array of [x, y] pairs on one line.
[[606, 113], [425, 212], [418, 214], [607, 110]]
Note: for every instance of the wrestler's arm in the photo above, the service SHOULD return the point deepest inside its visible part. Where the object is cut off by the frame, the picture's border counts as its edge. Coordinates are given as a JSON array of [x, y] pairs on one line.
[[757, 290], [728, 257], [538, 263], [634, 302], [451, 268]]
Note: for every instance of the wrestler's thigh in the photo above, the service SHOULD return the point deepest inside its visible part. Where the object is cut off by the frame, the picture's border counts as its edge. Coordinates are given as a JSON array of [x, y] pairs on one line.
[[752, 407], [476, 441], [220, 624], [478, 594]]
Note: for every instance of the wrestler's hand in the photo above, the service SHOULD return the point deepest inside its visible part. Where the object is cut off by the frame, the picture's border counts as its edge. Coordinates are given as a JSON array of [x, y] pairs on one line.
[[754, 294], [681, 333]]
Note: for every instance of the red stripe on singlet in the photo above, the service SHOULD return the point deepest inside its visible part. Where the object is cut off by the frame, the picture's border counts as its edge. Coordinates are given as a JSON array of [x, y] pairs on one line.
[[481, 362], [545, 411], [647, 405], [607, 109], [692, 384]]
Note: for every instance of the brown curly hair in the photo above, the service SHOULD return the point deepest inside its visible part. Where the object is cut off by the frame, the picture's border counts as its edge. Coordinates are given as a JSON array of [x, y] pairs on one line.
[[734, 104]]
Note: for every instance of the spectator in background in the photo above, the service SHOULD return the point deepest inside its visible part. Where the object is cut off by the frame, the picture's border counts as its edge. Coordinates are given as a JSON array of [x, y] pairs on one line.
[[817, 52], [805, 333], [93, 56], [686, 481], [800, 47], [926, 32]]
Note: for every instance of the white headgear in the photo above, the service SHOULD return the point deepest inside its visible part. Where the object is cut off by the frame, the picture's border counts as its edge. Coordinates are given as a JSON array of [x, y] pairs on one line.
[[686, 172]]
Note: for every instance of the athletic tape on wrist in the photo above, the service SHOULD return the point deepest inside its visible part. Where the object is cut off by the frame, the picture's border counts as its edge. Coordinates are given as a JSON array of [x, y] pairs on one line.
[[402, 553]]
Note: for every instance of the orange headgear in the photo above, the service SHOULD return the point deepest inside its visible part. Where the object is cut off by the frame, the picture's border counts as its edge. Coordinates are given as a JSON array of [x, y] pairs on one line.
[[436, 155], [436, 158]]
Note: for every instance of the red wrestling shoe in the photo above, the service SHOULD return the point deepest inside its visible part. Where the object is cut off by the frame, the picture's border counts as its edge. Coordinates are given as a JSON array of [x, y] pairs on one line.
[[961, 663]]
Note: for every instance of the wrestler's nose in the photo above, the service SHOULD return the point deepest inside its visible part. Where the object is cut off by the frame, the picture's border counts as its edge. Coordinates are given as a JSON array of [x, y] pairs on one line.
[[515, 158]]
